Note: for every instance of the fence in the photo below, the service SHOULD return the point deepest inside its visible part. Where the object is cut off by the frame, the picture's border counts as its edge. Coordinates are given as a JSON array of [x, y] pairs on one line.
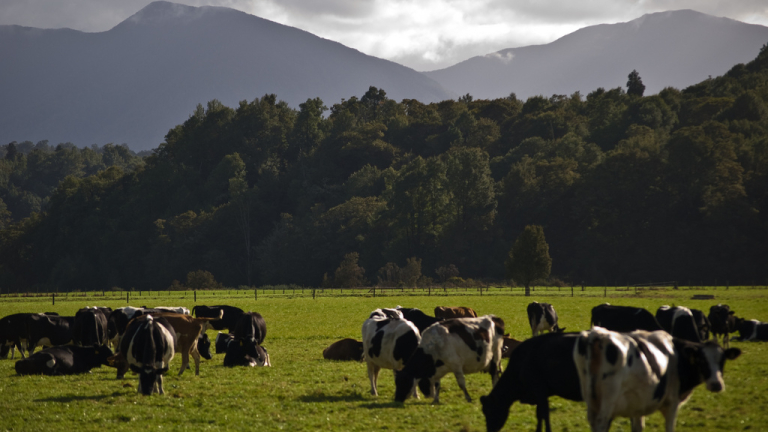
[[152, 298]]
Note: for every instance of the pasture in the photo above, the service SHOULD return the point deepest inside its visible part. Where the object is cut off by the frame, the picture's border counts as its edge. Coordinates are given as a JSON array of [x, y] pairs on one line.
[[302, 391]]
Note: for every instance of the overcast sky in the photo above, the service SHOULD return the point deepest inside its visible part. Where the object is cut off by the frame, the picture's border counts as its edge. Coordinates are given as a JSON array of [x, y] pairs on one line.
[[421, 34]]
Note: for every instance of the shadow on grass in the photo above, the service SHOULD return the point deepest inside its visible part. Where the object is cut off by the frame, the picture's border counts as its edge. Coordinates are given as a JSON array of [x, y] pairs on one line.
[[379, 405], [322, 397], [73, 398]]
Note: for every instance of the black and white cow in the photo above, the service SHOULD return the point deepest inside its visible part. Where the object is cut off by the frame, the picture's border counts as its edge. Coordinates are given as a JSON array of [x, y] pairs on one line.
[[702, 323], [636, 374], [47, 330], [723, 322], [174, 309], [148, 347], [90, 327], [624, 318], [418, 318], [679, 322], [542, 316], [13, 334], [222, 341], [389, 340], [228, 319], [251, 326], [64, 360], [458, 345], [751, 330], [246, 352], [117, 321], [538, 368]]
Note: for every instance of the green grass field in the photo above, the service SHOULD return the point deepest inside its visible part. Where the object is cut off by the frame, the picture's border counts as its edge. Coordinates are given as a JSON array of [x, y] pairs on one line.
[[302, 391]]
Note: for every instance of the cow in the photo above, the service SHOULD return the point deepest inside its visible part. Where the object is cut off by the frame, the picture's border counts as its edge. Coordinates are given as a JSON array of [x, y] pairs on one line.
[[635, 374], [118, 321], [228, 320], [389, 340], [173, 309], [458, 345], [751, 330], [148, 347], [702, 323], [538, 368], [222, 340], [418, 318], [90, 327], [64, 360], [189, 331], [47, 330], [446, 312], [345, 349], [542, 316], [679, 322], [623, 318], [509, 345], [13, 334], [251, 325], [723, 322], [246, 352]]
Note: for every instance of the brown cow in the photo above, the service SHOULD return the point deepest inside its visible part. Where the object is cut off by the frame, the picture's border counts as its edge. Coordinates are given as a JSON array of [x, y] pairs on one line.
[[345, 349], [509, 345], [446, 312]]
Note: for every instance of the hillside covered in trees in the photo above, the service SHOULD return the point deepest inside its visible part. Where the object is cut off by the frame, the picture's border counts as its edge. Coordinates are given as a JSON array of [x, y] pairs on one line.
[[628, 188]]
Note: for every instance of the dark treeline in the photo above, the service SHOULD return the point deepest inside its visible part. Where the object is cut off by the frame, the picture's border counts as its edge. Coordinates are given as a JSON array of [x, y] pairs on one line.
[[628, 188]]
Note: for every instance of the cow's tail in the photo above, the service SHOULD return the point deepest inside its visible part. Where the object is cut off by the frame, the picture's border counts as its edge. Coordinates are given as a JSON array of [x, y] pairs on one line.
[[193, 311]]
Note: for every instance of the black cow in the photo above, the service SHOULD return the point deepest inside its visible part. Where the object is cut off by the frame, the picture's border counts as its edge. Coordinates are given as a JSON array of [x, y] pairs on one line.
[[624, 318], [679, 322], [148, 347], [751, 330], [418, 318], [542, 316], [245, 353], [222, 340], [251, 326], [90, 327], [723, 322], [538, 368], [228, 320], [47, 330], [204, 346], [702, 323], [13, 334], [64, 360]]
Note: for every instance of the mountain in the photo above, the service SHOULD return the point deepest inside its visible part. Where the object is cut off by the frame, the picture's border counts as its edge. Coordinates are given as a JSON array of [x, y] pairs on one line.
[[133, 83], [668, 49]]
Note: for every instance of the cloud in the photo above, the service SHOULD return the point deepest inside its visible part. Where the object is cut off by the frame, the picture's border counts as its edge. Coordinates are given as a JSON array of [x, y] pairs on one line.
[[422, 34]]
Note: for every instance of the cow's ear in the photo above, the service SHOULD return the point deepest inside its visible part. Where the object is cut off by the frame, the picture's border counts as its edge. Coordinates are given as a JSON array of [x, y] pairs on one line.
[[732, 353], [690, 354]]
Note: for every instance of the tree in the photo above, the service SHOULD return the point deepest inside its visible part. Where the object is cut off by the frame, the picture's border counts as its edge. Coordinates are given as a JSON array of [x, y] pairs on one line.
[[635, 85], [349, 274], [529, 259]]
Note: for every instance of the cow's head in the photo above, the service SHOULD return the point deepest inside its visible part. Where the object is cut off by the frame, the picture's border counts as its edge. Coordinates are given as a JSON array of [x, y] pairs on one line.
[[103, 355], [495, 413], [709, 360], [147, 380], [204, 346], [420, 368]]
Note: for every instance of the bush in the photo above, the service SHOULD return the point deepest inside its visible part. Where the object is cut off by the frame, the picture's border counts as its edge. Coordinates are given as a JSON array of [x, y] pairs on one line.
[[202, 279], [446, 272], [349, 274]]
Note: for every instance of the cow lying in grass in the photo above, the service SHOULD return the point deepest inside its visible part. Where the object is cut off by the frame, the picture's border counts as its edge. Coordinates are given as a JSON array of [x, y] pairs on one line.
[[638, 373], [459, 345], [64, 360]]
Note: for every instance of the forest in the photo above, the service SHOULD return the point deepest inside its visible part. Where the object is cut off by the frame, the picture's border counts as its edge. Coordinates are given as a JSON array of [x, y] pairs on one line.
[[628, 189]]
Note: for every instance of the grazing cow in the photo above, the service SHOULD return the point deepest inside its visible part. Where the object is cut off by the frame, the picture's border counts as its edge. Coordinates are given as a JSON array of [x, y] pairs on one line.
[[542, 316], [446, 312], [389, 340], [222, 340], [751, 330], [345, 349], [418, 318], [47, 330], [188, 331], [624, 318], [509, 345], [64, 360], [246, 353], [635, 374], [147, 346], [90, 327], [539, 368], [679, 322], [458, 345], [702, 323], [228, 320], [723, 322], [173, 309]]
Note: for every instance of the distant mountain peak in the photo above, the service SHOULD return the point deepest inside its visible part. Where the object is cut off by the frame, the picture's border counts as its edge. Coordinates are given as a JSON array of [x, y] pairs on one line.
[[161, 12]]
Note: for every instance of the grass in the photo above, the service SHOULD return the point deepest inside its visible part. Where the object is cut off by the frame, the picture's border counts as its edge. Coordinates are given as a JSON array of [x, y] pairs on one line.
[[304, 392]]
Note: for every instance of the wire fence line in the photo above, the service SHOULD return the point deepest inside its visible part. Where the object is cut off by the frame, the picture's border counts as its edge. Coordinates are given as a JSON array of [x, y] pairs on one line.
[[293, 291]]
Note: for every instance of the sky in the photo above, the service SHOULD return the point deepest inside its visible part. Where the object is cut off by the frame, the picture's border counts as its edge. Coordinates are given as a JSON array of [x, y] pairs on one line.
[[421, 34]]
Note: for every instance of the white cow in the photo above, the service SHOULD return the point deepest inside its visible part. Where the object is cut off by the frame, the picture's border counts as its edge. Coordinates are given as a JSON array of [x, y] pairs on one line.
[[638, 373], [389, 340]]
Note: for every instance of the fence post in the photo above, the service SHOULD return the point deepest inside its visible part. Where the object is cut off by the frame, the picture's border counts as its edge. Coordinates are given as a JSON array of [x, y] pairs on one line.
[[256, 294], [127, 296], [195, 296], [313, 293], [53, 297], [605, 290], [429, 291], [571, 290]]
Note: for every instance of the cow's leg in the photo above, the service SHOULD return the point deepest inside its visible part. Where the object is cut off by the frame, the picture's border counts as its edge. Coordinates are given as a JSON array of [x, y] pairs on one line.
[[436, 400], [159, 384], [462, 385], [727, 340], [373, 374], [542, 415], [184, 361], [670, 416], [638, 423], [196, 356]]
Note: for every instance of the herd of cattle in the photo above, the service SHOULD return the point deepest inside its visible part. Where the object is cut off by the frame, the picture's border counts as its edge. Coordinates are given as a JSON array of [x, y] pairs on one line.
[[629, 364]]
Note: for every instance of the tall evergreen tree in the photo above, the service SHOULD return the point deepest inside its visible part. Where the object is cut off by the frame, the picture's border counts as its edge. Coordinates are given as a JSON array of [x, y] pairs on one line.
[[529, 259], [635, 85]]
